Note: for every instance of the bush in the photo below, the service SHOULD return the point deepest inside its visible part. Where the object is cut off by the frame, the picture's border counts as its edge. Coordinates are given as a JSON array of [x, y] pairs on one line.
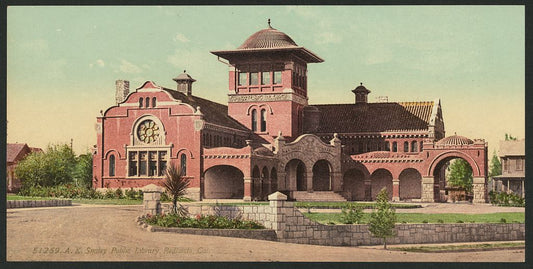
[[460, 221], [503, 220], [440, 221], [118, 193], [424, 221], [201, 221], [351, 214], [506, 199]]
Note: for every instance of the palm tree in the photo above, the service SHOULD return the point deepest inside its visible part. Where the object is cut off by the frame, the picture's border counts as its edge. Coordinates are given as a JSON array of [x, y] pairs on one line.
[[176, 185]]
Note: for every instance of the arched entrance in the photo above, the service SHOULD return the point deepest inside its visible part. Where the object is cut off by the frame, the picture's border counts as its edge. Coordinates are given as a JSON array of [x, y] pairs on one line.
[[443, 189], [295, 171], [381, 178], [223, 182], [322, 176], [410, 184], [354, 183]]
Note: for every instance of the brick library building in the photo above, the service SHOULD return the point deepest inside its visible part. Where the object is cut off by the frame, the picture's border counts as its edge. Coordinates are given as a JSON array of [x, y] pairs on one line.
[[271, 137]]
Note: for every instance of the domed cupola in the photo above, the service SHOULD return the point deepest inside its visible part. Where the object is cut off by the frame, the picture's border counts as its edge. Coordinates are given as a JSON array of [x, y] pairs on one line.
[[361, 94], [268, 38], [454, 140]]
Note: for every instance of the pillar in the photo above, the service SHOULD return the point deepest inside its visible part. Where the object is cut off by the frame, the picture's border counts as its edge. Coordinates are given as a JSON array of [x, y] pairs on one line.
[[523, 190], [368, 190], [396, 190], [427, 190], [247, 189], [279, 207], [336, 181], [480, 190], [151, 199], [309, 180]]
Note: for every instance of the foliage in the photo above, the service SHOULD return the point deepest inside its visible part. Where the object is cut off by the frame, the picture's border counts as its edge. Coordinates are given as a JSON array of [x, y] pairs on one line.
[[201, 221], [506, 199], [495, 167], [82, 173], [509, 137], [351, 214], [462, 247], [50, 168], [72, 191], [460, 175], [176, 185], [340, 205], [383, 218]]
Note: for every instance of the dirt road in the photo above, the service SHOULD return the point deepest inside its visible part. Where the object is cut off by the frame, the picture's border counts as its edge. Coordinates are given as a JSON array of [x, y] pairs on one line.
[[109, 233]]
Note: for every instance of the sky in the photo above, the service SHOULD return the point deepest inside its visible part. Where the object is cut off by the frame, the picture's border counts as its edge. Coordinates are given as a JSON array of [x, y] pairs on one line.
[[62, 62]]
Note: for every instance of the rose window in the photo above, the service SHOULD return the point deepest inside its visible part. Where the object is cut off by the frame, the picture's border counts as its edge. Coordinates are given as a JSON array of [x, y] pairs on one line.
[[148, 131]]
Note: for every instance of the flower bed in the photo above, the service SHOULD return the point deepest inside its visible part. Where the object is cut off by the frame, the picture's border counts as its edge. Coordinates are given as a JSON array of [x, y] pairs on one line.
[[200, 221]]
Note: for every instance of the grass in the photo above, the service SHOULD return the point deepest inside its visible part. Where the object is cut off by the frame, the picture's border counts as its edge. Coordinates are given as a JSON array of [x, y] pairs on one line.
[[468, 247], [11, 197], [328, 218], [81, 201], [334, 205]]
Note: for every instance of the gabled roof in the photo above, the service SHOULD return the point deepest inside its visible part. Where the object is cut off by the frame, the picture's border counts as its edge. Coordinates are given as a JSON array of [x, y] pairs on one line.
[[374, 117], [16, 152], [214, 113], [512, 148]]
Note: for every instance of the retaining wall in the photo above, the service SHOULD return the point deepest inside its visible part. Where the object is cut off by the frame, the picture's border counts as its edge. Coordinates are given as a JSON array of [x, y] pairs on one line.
[[37, 203]]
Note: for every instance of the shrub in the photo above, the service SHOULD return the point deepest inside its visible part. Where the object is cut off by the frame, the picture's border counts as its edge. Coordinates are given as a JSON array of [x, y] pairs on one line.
[[201, 221], [503, 220], [440, 221], [506, 199], [351, 214], [460, 221], [424, 221], [109, 194], [118, 193]]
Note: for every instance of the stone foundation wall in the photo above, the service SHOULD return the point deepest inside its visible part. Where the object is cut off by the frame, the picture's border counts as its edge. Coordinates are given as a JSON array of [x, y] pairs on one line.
[[35, 203]]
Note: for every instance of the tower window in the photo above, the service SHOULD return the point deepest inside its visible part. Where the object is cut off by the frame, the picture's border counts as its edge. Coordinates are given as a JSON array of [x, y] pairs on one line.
[[421, 146], [147, 102], [263, 120], [394, 147], [387, 146], [277, 77], [153, 102], [406, 146], [141, 102], [183, 164], [254, 78], [414, 146], [265, 78], [112, 165], [242, 79], [254, 120]]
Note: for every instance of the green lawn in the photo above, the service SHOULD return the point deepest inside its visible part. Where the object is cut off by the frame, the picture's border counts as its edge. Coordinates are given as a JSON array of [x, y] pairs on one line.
[[18, 197], [452, 248], [327, 218], [81, 201], [341, 204]]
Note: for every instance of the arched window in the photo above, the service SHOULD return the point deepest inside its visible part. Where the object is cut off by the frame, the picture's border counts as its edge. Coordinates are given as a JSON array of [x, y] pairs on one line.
[[394, 147], [387, 146], [263, 121], [183, 164], [153, 101], [406, 146], [254, 120], [112, 165], [141, 102], [147, 102], [414, 146], [421, 147]]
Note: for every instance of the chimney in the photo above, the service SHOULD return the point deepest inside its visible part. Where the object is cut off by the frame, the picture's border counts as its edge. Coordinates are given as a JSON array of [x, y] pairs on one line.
[[184, 83], [361, 94], [123, 89]]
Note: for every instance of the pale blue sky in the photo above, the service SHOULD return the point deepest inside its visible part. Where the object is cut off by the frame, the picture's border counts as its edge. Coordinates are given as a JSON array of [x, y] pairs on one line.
[[63, 61]]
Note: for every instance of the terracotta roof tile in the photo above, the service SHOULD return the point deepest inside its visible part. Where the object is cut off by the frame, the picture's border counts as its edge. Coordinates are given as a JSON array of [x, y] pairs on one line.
[[213, 112], [374, 117]]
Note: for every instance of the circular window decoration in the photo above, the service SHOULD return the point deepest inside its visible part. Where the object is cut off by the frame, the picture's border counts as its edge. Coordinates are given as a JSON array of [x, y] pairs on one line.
[[148, 131]]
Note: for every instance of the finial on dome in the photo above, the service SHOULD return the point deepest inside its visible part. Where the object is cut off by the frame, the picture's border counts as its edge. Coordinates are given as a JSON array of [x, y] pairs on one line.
[[269, 26], [184, 71], [361, 83]]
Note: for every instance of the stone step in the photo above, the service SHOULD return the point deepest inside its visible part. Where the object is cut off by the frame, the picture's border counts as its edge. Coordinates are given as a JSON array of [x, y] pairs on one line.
[[317, 196]]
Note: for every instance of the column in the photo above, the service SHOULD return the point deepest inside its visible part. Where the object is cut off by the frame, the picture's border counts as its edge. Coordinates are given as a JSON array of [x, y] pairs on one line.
[[396, 190], [368, 190], [260, 194], [523, 191], [309, 180], [151, 199], [479, 189], [247, 189], [336, 181], [427, 190]]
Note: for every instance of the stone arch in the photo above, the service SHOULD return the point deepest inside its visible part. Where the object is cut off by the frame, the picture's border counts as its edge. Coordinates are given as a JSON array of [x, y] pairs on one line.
[[186, 151], [354, 184], [322, 175], [410, 184], [223, 182], [448, 155], [259, 107], [439, 177], [296, 174], [112, 151], [379, 179]]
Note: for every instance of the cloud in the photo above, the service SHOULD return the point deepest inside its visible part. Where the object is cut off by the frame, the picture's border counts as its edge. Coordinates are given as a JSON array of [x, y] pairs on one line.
[[181, 38], [100, 62], [327, 38], [128, 67], [37, 46]]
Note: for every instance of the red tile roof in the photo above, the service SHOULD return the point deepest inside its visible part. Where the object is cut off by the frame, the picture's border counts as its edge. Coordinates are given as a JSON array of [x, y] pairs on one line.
[[374, 117], [16, 152]]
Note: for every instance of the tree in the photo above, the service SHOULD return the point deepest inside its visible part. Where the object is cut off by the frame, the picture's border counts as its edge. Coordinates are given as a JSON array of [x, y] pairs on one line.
[[509, 137], [383, 218], [460, 175], [49, 168], [83, 171], [176, 185], [495, 167]]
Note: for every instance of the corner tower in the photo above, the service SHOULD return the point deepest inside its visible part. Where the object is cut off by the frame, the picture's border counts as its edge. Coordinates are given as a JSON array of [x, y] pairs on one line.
[[268, 83]]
